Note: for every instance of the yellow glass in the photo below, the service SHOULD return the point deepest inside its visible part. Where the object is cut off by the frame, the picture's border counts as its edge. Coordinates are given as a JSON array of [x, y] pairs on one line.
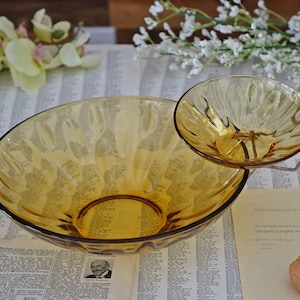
[[110, 175], [240, 121]]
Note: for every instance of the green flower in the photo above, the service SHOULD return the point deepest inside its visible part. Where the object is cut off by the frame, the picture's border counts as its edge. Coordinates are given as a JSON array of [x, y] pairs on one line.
[[7, 33], [7, 29], [72, 54], [28, 60], [45, 31], [25, 71]]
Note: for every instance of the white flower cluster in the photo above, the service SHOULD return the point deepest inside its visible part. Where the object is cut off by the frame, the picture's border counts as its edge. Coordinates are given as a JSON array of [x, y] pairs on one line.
[[233, 36]]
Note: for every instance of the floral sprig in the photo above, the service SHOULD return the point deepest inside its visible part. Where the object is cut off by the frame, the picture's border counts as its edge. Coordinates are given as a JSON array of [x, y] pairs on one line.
[[231, 37], [52, 46]]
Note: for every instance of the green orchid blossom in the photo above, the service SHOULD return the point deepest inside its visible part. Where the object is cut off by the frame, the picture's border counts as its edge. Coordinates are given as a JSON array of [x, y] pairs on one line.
[[7, 33], [25, 71], [28, 60], [72, 54], [46, 31], [7, 29]]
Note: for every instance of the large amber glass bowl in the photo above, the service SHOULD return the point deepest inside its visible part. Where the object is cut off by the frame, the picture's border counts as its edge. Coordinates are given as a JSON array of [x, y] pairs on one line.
[[241, 121], [110, 175]]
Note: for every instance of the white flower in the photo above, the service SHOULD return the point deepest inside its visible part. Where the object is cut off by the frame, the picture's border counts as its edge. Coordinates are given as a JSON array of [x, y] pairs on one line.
[[150, 23], [276, 37], [235, 45], [261, 4], [267, 56], [156, 8], [207, 48], [197, 67], [163, 36], [226, 3], [169, 30], [139, 39], [188, 26], [210, 34], [223, 13], [225, 58], [296, 38], [205, 32], [234, 11], [245, 38], [294, 23], [294, 28], [226, 29], [198, 44], [258, 24]]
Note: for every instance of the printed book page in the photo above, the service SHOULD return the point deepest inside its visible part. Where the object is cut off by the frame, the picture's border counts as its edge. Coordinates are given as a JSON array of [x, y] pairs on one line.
[[202, 267], [267, 232], [36, 270]]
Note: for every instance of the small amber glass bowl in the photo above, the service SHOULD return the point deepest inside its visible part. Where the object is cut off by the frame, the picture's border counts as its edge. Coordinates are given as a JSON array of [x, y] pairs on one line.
[[240, 121], [110, 175]]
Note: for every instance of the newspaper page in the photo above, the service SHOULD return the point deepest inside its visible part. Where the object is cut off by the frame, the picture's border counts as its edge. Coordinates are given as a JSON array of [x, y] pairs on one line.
[[202, 267], [267, 230], [204, 272], [36, 270], [31, 269]]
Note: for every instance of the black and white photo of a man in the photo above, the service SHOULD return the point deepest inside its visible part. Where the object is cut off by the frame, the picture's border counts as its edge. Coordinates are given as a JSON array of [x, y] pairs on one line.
[[100, 269]]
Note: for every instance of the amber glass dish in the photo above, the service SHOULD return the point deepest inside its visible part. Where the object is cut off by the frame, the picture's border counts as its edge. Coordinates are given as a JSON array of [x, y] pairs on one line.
[[240, 121], [110, 175]]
